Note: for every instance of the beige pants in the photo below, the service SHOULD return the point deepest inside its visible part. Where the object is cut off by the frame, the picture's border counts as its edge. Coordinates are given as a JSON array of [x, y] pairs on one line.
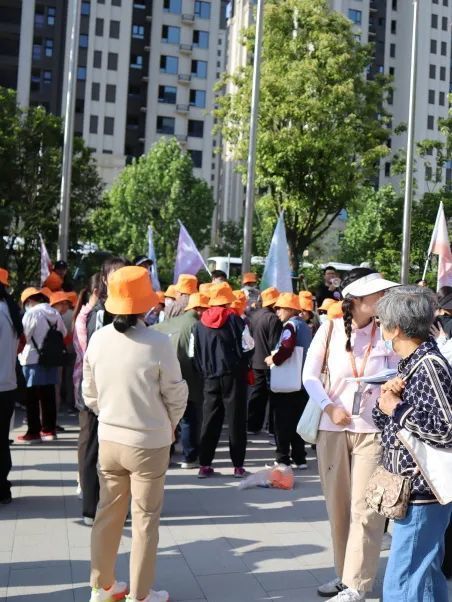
[[346, 461], [125, 470]]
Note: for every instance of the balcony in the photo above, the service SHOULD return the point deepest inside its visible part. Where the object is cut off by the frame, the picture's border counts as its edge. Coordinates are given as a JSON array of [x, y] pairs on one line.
[[182, 138], [184, 78], [143, 109], [188, 19], [147, 49], [144, 78], [182, 108], [148, 17], [185, 48]]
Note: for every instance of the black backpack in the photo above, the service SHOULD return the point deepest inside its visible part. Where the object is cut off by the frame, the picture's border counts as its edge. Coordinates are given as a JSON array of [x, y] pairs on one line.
[[53, 351]]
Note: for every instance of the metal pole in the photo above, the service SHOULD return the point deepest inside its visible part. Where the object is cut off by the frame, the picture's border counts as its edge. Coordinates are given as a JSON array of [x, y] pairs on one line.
[[66, 168], [405, 271], [251, 176]]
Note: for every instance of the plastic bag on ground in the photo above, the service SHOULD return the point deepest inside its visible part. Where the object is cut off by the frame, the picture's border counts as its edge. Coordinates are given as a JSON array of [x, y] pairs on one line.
[[278, 477]]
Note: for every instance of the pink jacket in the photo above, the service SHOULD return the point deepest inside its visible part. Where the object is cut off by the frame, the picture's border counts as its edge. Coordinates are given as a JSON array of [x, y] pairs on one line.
[[80, 342]]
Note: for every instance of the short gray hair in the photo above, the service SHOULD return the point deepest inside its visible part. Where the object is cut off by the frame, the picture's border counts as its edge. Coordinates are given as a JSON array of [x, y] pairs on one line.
[[410, 308]]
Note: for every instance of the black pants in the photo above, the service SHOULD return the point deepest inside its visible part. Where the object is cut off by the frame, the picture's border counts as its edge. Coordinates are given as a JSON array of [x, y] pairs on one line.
[[7, 400], [67, 384], [447, 564], [224, 394], [258, 401], [190, 431], [88, 452], [287, 410], [41, 409]]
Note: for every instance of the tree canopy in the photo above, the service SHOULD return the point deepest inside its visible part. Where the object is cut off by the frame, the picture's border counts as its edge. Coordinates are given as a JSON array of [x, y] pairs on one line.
[[322, 127]]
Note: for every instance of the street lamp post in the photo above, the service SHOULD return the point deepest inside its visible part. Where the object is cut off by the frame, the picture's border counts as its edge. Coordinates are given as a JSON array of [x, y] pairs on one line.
[[251, 172], [66, 169], [405, 271]]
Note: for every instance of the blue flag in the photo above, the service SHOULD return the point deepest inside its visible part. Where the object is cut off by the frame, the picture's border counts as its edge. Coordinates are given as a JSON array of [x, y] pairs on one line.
[[277, 270], [151, 255], [188, 259]]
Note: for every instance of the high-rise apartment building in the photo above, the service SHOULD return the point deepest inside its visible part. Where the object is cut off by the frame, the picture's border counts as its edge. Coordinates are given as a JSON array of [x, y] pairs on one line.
[[146, 69]]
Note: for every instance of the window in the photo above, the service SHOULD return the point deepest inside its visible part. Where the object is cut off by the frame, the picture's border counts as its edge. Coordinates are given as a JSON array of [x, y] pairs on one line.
[[445, 2], [47, 77], [199, 68], [392, 51], [443, 48], [393, 27], [134, 90], [431, 97], [387, 170], [116, 2], [355, 16], [83, 41], [170, 34], [85, 8], [196, 157], [110, 93], [109, 126], [95, 91], [198, 98], [136, 61], [93, 124], [392, 71], [48, 48], [37, 52], [195, 128], [444, 23], [428, 172], [112, 62], [99, 27], [201, 39], [133, 122], [430, 122], [442, 74], [169, 64], [441, 99], [39, 17], [394, 4], [434, 22], [434, 1], [432, 71], [35, 80], [433, 46], [167, 94], [202, 9], [97, 59], [79, 105], [51, 14], [138, 32], [165, 125], [114, 29], [81, 73], [172, 6]]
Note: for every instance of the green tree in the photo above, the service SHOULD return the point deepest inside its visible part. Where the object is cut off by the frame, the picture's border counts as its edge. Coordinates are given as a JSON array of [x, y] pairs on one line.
[[229, 242], [156, 189], [319, 134], [30, 176]]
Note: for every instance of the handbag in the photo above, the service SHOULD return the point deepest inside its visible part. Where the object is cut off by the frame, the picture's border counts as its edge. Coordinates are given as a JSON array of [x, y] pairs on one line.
[[388, 494], [308, 425], [286, 378]]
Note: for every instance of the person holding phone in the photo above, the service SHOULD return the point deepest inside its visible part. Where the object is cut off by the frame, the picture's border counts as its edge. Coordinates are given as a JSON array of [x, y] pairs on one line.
[[329, 289]]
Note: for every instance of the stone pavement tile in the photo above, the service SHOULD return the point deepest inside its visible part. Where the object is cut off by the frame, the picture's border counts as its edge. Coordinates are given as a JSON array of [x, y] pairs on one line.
[[8, 529], [187, 533], [33, 526], [211, 557], [174, 575], [5, 567], [236, 588], [273, 569]]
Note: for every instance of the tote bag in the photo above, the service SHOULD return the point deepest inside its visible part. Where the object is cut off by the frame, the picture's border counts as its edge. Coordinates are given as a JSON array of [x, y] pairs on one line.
[[286, 378]]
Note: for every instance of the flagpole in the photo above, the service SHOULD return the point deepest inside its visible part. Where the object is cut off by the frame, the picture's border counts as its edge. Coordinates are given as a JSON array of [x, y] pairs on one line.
[[251, 174], [407, 210]]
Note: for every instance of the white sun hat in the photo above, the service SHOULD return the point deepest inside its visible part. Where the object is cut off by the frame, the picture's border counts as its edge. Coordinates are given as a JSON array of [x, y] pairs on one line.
[[368, 285]]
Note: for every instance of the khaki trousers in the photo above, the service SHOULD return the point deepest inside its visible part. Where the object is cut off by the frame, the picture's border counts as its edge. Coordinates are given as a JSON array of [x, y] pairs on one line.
[[125, 470], [346, 461]]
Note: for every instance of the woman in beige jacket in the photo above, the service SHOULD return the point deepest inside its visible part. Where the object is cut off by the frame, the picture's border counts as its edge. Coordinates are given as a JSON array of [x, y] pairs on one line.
[[132, 380]]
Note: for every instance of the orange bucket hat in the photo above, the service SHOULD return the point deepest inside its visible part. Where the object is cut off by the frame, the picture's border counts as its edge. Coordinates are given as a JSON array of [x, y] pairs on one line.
[[187, 284], [249, 278], [31, 291], [130, 291], [60, 297], [171, 291], [306, 303], [54, 282], [240, 301], [269, 296], [73, 296], [46, 291], [197, 300], [205, 287], [335, 310], [288, 301], [4, 277], [327, 303], [221, 294]]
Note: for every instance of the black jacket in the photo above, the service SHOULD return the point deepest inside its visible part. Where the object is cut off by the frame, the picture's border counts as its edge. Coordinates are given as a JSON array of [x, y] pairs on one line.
[[265, 329]]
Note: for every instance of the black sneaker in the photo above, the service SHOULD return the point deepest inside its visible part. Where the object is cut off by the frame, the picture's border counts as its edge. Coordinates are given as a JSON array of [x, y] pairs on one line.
[[332, 588]]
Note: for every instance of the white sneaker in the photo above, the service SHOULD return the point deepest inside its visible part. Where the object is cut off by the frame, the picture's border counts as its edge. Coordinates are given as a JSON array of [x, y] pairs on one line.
[[349, 595], [78, 492], [89, 522], [331, 588], [303, 466], [386, 542], [189, 465], [117, 591], [153, 596]]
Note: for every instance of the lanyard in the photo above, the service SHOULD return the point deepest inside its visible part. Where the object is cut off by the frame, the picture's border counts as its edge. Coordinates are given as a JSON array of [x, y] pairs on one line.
[[366, 356]]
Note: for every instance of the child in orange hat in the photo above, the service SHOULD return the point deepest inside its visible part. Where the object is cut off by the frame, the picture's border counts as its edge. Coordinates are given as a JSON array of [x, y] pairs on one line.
[[308, 313]]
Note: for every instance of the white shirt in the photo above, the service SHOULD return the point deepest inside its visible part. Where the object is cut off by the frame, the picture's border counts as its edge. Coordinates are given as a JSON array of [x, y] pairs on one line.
[[36, 323]]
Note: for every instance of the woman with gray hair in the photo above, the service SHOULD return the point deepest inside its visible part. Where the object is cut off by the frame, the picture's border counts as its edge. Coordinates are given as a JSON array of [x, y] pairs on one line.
[[420, 401]]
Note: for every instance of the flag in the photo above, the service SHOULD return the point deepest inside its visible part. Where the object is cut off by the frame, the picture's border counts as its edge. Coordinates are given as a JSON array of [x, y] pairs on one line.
[[188, 259], [46, 264], [439, 245], [151, 254], [277, 270]]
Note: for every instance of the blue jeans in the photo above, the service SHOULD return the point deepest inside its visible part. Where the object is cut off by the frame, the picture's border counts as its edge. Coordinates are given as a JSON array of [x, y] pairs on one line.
[[189, 432], [414, 571]]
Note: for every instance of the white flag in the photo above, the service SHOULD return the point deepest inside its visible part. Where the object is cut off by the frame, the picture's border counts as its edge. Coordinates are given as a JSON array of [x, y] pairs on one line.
[[440, 245], [46, 264], [151, 254], [277, 270], [188, 259]]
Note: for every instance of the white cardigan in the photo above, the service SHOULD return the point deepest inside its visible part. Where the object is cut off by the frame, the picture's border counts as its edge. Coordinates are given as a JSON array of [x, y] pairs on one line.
[[36, 322]]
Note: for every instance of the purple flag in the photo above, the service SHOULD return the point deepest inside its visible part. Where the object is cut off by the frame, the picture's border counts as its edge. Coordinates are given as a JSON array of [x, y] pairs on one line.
[[188, 259]]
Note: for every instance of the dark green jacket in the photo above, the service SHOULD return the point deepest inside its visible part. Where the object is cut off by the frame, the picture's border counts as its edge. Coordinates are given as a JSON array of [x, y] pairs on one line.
[[179, 330]]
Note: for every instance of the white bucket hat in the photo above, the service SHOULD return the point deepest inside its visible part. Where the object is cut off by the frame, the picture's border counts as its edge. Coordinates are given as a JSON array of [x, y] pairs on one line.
[[368, 285]]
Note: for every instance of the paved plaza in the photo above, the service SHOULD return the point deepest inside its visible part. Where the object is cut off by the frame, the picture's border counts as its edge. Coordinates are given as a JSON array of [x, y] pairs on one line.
[[216, 543]]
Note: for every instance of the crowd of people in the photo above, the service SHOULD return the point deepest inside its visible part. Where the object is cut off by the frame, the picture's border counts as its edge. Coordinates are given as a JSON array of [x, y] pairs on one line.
[[144, 368]]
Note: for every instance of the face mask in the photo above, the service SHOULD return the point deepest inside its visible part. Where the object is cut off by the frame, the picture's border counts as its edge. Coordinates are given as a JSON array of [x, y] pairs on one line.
[[389, 346], [323, 318]]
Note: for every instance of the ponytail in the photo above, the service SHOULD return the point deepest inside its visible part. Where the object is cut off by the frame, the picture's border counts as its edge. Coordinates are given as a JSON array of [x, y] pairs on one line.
[[123, 323], [347, 306]]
